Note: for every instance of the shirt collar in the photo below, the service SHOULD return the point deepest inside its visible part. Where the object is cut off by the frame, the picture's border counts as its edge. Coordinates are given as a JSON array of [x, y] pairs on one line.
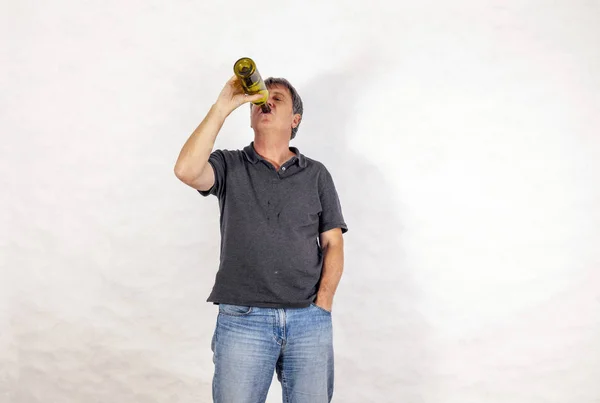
[[254, 157]]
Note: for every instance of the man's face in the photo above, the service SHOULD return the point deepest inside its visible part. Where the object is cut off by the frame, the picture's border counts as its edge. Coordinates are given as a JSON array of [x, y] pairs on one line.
[[281, 118]]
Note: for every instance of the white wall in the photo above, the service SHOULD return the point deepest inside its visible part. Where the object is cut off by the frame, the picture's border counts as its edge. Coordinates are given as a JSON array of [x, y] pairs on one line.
[[464, 141]]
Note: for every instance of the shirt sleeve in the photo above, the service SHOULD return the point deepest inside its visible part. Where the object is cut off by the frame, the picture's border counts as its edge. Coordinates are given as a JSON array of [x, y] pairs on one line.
[[331, 209], [217, 161]]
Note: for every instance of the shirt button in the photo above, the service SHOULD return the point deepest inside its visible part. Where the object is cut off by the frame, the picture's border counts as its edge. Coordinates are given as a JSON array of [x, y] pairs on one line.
[[283, 169]]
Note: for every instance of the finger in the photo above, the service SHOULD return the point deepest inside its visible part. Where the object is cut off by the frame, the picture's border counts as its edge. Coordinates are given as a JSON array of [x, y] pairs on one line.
[[255, 97], [250, 98], [233, 80]]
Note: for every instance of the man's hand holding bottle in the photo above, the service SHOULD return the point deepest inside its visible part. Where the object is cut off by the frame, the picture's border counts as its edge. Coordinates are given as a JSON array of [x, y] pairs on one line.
[[232, 96]]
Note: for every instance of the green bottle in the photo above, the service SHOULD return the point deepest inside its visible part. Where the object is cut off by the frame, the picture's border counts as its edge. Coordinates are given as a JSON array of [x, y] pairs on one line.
[[251, 81]]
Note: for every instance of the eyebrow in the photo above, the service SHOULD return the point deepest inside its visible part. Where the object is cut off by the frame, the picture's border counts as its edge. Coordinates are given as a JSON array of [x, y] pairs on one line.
[[279, 93]]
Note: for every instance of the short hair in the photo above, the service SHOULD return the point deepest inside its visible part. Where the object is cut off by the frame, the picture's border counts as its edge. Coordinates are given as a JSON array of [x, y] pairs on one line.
[[297, 107]]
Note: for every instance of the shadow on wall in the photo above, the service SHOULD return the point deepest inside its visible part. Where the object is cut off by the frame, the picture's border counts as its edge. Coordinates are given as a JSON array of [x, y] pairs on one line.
[[382, 349]]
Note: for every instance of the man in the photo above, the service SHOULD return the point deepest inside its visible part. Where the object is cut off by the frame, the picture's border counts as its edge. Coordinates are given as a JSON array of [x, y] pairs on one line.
[[281, 251]]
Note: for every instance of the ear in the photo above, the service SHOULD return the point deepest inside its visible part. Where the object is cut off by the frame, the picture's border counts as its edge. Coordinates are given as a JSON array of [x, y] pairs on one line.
[[296, 120]]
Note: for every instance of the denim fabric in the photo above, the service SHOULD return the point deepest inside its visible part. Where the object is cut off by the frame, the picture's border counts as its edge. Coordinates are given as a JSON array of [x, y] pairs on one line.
[[249, 343]]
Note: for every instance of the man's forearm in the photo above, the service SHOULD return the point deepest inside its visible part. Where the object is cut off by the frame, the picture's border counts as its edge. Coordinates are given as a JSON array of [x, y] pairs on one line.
[[194, 155], [333, 266]]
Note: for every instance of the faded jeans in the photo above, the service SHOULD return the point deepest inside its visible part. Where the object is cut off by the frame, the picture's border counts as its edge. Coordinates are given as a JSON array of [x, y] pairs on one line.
[[249, 343]]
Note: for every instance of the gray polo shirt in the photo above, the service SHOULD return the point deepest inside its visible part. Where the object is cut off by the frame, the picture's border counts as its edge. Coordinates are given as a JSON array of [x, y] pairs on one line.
[[270, 225]]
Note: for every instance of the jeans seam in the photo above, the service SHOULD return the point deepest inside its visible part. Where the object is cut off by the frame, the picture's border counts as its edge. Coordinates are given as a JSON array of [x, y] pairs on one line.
[[275, 331], [284, 386], [322, 309], [228, 313]]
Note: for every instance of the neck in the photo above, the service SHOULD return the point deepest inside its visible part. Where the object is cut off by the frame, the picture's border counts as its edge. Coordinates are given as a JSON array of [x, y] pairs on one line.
[[275, 149]]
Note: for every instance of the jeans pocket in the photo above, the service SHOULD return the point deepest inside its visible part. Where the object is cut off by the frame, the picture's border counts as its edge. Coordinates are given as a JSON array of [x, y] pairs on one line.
[[321, 309], [234, 310]]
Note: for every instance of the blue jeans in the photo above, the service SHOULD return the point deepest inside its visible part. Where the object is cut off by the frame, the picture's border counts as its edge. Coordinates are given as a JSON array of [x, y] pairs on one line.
[[249, 343]]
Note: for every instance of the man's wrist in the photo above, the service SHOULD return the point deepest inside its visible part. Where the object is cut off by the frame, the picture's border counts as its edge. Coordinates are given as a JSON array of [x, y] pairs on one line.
[[220, 111], [324, 300]]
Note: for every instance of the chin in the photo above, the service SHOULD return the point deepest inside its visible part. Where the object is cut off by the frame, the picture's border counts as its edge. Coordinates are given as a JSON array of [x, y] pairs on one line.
[[264, 124]]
